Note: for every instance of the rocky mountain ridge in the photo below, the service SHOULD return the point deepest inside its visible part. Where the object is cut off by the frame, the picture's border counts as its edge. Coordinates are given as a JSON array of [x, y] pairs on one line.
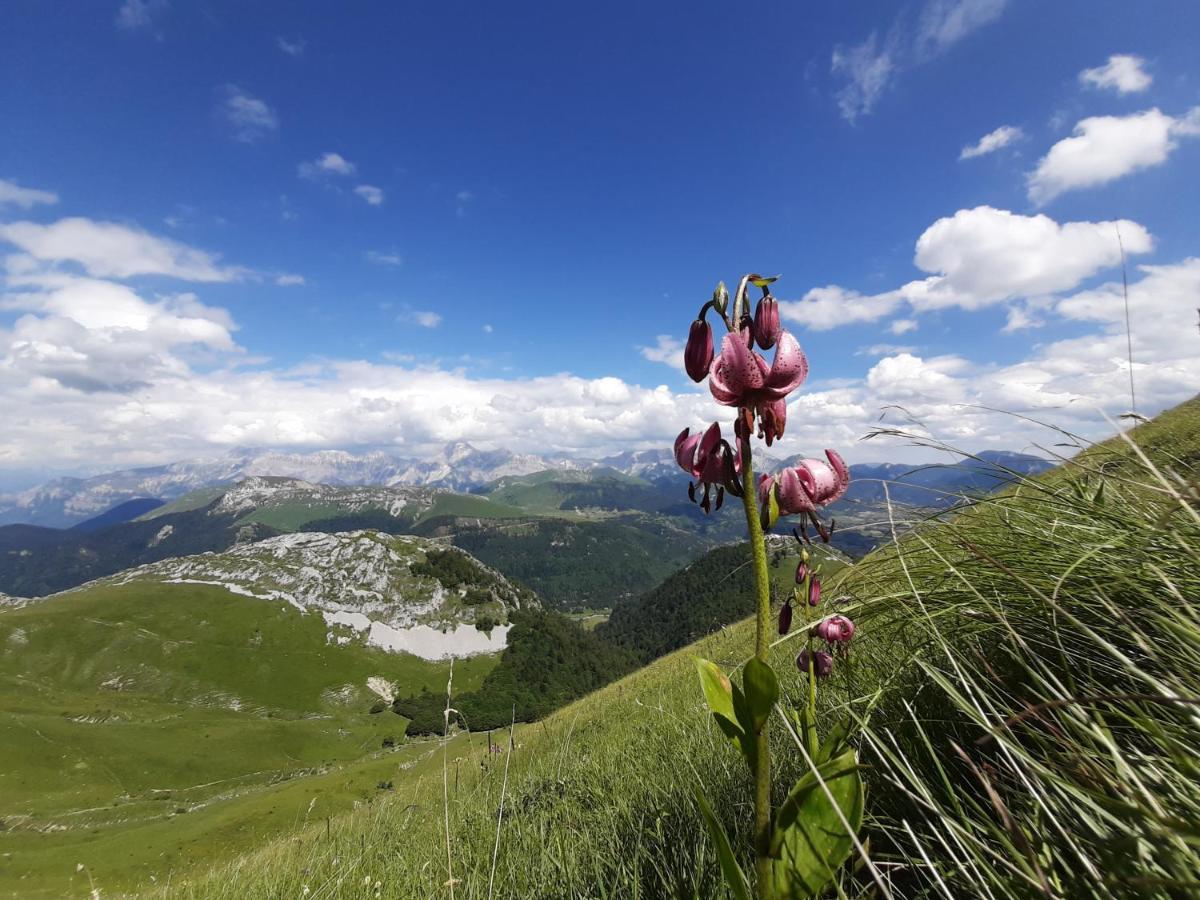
[[398, 592]]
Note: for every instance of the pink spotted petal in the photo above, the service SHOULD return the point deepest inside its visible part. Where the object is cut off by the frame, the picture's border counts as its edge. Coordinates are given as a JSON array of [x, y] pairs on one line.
[[793, 498], [708, 444], [824, 480], [743, 369], [721, 390], [685, 451], [788, 370], [806, 480], [842, 473]]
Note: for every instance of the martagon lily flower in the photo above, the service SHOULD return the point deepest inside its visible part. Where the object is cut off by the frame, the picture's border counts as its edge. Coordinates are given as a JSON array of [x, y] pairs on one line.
[[822, 663], [741, 377], [835, 630], [709, 459], [808, 484]]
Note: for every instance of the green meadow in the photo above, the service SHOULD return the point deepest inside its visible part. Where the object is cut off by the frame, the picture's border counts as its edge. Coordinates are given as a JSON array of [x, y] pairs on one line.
[[145, 727]]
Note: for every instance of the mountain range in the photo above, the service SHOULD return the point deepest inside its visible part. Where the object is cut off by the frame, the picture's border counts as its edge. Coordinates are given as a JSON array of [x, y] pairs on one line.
[[69, 501]]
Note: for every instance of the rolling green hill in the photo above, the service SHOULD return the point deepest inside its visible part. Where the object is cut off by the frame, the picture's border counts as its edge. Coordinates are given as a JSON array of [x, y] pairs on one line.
[[195, 702]]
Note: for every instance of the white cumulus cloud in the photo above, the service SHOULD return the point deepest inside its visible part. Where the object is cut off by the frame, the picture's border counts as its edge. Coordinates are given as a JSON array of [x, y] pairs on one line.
[[1123, 73], [984, 255], [667, 350], [88, 335], [978, 258], [111, 250], [828, 307], [1104, 148], [94, 376]]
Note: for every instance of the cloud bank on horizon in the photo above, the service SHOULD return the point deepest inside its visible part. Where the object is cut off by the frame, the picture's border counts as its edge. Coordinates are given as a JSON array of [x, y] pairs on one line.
[[123, 345]]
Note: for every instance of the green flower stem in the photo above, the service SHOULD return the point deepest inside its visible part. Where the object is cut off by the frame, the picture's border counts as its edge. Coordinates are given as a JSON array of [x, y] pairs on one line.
[[762, 768], [810, 732]]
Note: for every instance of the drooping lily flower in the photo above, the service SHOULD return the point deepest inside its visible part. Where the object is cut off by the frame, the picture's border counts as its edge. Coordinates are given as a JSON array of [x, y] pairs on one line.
[[822, 663], [785, 618], [835, 630], [766, 322], [824, 482], [698, 354], [801, 572], [741, 377], [709, 459]]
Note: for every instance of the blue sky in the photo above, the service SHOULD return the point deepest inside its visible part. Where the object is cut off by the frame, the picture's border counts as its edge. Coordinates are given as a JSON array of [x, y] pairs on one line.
[[273, 224]]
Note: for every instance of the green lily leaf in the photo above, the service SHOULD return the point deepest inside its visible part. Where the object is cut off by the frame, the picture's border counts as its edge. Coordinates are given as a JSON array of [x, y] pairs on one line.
[[763, 280], [835, 741], [761, 689], [734, 877], [718, 693], [770, 511], [749, 739], [810, 843]]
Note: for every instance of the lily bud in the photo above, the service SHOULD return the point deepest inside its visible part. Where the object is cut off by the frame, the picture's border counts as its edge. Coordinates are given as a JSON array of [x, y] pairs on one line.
[[835, 630], [720, 298], [698, 354], [814, 591], [822, 663], [801, 572], [785, 618], [766, 322]]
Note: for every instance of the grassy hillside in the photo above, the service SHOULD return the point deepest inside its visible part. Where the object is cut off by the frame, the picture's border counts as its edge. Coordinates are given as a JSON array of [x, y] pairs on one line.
[[1023, 677], [139, 723], [714, 591]]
